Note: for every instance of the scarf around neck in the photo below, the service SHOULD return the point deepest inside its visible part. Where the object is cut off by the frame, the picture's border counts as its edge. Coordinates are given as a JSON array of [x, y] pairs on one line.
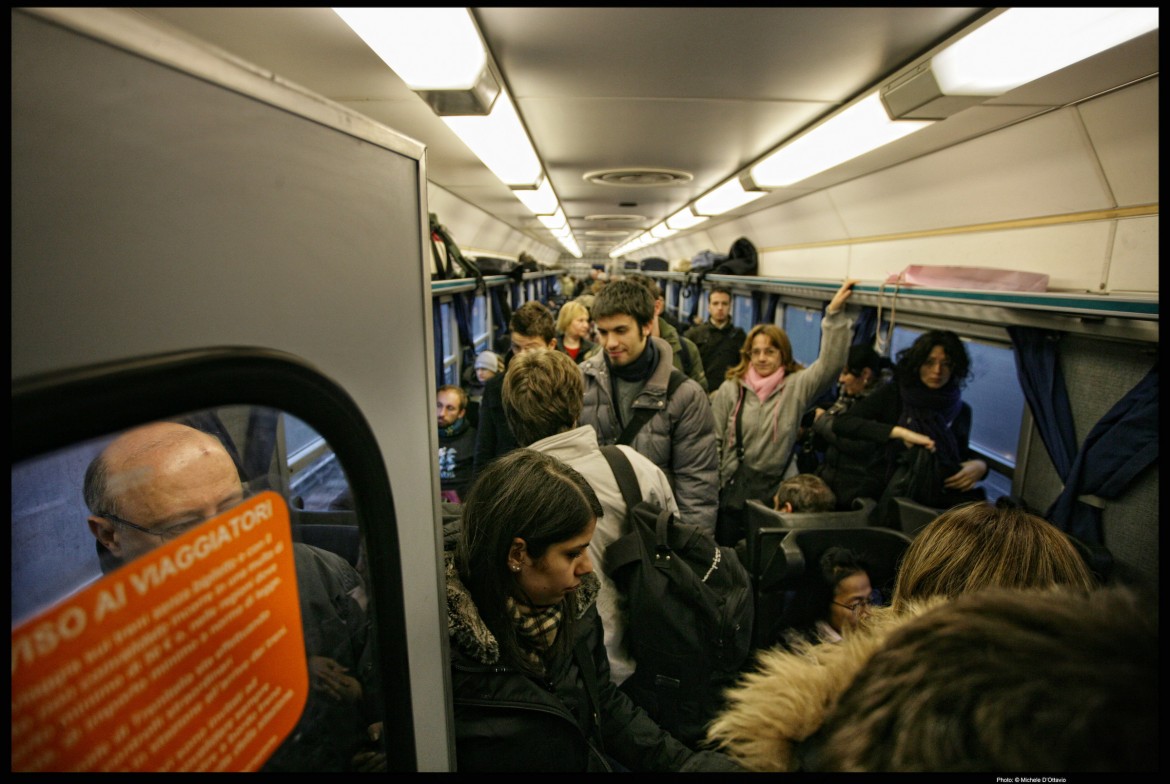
[[931, 412], [641, 368], [537, 627], [457, 428], [763, 386]]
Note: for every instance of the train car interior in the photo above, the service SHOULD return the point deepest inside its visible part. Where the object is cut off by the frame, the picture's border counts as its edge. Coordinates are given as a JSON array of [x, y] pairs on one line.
[[277, 228]]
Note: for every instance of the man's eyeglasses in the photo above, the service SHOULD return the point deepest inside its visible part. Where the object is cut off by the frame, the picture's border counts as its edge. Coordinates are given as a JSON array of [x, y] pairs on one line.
[[167, 533], [857, 605]]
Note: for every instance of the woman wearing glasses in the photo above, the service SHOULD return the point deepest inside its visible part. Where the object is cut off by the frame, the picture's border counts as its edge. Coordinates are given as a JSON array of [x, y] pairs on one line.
[[839, 597], [923, 408]]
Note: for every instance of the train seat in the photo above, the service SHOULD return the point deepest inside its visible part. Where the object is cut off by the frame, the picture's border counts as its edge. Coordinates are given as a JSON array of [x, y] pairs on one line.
[[912, 516]]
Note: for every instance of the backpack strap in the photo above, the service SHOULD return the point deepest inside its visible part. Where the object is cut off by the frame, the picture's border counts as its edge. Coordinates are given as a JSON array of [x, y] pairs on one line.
[[642, 415], [623, 550], [623, 472]]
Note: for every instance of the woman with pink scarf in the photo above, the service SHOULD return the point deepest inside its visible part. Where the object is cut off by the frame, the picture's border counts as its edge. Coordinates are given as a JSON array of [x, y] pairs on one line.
[[769, 391]]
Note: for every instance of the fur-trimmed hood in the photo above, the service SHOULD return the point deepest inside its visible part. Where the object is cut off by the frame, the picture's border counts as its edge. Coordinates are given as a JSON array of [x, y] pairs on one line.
[[468, 630], [790, 693]]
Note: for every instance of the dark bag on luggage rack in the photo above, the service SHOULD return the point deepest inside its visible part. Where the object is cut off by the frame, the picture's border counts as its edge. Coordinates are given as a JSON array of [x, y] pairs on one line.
[[742, 259], [492, 265], [689, 611], [447, 261]]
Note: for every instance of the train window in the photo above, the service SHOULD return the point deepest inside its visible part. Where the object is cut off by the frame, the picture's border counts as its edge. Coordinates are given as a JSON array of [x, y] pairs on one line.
[[803, 326], [991, 387], [316, 480], [480, 323], [172, 611]]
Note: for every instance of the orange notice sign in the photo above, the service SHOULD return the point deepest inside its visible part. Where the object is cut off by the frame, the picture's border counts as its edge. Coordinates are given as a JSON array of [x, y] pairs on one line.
[[188, 658]]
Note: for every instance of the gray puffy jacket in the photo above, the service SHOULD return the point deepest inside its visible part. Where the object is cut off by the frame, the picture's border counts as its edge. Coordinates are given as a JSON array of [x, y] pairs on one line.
[[679, 438]]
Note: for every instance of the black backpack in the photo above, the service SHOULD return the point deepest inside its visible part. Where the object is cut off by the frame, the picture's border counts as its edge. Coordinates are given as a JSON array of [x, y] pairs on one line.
[[448, 261], [689, 611]]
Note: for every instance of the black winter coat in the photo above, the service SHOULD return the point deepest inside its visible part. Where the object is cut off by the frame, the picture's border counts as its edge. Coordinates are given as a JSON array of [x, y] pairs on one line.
[[508, 721]]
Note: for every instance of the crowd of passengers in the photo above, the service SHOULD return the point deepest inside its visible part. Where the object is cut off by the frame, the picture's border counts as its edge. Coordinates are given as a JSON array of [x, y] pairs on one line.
[[526, 591], [1000, 649]]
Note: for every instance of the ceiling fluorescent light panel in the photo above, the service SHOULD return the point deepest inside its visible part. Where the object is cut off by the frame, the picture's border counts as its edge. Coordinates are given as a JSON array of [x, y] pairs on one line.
[[727, 196], [499, 140], [862, 127]]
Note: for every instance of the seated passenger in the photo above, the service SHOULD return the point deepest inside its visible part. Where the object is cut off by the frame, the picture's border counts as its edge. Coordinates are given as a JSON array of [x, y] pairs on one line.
[[836, 602], [531, 681], [923, 406], [156, 482], [804, 493]]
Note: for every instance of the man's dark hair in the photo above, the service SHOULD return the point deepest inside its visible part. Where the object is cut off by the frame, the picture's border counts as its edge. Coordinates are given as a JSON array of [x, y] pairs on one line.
[[625, 298], [533, 320], [718, 289]]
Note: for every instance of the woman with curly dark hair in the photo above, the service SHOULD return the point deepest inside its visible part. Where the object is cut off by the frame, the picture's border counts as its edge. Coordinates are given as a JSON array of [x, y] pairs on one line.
[[923, 408]]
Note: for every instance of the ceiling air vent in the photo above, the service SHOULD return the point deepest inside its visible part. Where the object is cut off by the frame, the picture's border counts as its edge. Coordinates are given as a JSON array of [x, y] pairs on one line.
[[639, 178], [627, 218]]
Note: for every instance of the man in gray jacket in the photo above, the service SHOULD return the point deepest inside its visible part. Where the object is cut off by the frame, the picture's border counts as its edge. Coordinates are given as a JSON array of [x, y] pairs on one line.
[[632, 375]]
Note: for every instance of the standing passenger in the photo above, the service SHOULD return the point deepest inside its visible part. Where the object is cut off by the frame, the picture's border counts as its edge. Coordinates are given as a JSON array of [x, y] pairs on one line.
[[573, 331], [532, 690], [456, 443], [542, 400], [686, 354], [853, 468], [768, 392], [632, 375], [923, 406], [530, 326], [718, 339]]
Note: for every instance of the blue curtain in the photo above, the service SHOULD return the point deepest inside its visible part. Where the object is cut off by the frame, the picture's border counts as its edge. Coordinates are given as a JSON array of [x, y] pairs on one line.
[[865, 327], [437, 318], [501, 313], [770, 309], [1117, 449], [1042, 380], [758, 304]]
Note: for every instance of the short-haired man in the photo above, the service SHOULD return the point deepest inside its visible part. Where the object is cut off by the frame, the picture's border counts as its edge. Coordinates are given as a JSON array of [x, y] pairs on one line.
[[531, 326], [456, 443], [542, 400], [632, 374], [686, 354], [156, 482], [804, 493], [719, 340]]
